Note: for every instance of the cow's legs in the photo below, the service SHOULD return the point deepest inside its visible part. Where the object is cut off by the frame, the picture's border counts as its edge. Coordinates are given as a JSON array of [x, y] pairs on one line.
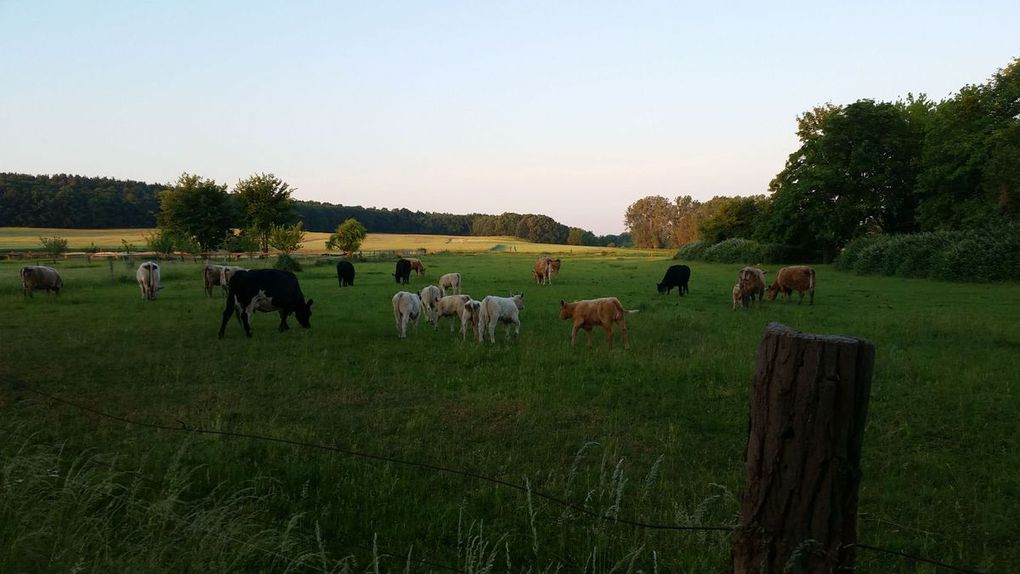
[[812, 302], [491, 327], [608, 328], [587, 333], [246, 322], [623, 332], [230, 310], [283, 321], [573, 333]]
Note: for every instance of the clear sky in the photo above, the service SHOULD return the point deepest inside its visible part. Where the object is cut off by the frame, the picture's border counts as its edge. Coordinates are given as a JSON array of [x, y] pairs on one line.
[[571, 109]]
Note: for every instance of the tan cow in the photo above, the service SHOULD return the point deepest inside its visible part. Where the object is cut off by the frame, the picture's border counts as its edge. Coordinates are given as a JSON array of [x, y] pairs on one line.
[[751, 281], [465, 309], [148, 280], [450, 284], [798, 278], [591, 312], [212, 275], [40, 277], [542, 270], [430, 295], [227, 272], [416, 265]]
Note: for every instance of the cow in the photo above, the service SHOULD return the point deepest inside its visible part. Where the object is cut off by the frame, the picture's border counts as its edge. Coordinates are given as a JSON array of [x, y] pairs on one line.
[[416, 265], [738, 295], [228, 272], [403, 273], [148, 280], [798, 278], [265, 290], [40, 277], [450, 283], [430, 295], [504, 310], [752, 285], [591, 312], [212, 275], [542, 270], [464, 308], [676, 276], [345, 273], [406, 308]]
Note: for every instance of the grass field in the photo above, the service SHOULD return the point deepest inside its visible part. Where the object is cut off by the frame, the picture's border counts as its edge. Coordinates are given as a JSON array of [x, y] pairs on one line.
[[654, 434], [27, 238]]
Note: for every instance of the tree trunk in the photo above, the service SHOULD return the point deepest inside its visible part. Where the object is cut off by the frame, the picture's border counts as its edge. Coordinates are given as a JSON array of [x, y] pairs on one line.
[[809, 405]]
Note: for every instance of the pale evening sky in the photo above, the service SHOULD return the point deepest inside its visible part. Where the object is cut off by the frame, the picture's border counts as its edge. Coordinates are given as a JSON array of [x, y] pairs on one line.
[[571, 109]]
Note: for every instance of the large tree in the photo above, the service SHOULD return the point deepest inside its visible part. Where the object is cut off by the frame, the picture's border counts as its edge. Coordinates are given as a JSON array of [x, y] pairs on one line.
[[196, 208], [264, 201], [348, 237], [649, 221]]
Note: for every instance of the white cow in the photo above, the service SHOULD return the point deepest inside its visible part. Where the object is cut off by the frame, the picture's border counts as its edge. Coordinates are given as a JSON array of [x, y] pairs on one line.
[[472, 314], [450, 281], [430, 295], [148, 280], [406, 307], [40, 277], [504, 310], [212, 275]]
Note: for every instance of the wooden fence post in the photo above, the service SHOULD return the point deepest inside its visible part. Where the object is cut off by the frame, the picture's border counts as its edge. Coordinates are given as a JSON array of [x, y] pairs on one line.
[[809, 404]]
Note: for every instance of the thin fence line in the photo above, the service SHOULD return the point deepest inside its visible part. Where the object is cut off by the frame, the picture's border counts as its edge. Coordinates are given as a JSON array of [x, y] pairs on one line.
[[651, 526]]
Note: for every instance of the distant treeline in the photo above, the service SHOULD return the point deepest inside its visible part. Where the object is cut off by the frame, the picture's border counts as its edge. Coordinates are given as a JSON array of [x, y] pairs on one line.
[[74, 201]]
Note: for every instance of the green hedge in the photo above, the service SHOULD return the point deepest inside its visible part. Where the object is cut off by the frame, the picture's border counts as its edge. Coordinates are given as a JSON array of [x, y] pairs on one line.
[[989, 254], [737, 250]]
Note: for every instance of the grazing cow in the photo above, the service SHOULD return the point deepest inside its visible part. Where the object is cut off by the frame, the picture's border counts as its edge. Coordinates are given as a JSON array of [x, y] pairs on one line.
[[228, 272], [472, 315], [416, 265], [542, 270], [752, 284], [464, 308], [265, 290], [40, 277], [212, 275], [676, 276], [148, 280], [345, 273], [589, 313], [798, 278], [504, 310], [430, 295], [554, 268], [403, 273], [738, 296], [406, 308], [450, 283]]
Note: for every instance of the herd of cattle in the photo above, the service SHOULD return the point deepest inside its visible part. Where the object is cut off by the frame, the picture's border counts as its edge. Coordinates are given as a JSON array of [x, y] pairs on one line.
[[271, 290]]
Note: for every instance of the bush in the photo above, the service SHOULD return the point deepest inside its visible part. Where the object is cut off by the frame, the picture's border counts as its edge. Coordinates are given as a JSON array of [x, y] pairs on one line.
[[694, 250], [285, 262]]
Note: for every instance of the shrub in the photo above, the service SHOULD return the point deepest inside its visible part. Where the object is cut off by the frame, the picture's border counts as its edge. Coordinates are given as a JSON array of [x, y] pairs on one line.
[[285, 262], [693, 250]]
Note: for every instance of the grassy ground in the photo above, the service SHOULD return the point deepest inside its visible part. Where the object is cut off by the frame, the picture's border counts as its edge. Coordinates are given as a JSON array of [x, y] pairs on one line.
[[660, 429], [27, 238]]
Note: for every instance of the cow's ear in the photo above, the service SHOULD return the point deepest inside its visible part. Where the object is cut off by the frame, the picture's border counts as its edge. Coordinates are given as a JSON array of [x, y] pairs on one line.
[[563, 303], [309, 304]]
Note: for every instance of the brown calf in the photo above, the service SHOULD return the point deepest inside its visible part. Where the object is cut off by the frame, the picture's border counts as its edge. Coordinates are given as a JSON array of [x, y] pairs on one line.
[[589, 313], [798, 278], [752, 284], [416, 265]]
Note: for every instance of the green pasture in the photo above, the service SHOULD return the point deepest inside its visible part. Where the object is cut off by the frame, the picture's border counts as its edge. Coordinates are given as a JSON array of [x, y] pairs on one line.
[[654, 434]]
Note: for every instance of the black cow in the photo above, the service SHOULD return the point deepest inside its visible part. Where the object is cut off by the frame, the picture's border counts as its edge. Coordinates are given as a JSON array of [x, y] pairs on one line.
[[265, 290], [676, 276], [345, 273], [403, 274]]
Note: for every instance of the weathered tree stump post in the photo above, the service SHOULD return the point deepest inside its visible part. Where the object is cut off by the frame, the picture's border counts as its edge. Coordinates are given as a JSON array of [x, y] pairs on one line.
[[809, 405]]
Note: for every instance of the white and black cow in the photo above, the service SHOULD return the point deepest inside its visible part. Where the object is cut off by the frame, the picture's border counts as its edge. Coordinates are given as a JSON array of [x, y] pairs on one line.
[[265, 290]]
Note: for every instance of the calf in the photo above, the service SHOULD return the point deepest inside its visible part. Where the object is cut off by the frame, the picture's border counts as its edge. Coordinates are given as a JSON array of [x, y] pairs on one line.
[[212, 275], [589, 313], [265, 290], [464, 308], [148, 280], [416, 265], [798, 278], [430, 295], [738, 296], [542, 270], [406, 308], [450, 283], [403, 272], [228, 272], [472, 314], [676, 276], [345, 273], [40, 277], [752, 285], [504, 310]]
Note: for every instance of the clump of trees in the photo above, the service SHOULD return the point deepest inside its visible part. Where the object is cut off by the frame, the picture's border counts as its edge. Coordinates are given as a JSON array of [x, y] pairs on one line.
[[867, 168], [348, 237]]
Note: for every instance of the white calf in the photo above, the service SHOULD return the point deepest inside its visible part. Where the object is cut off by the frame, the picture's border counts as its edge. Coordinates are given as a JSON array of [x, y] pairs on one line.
[[148, 280], [430, 295], [471, 314], [406, 307], [504, 310], [451, 282]]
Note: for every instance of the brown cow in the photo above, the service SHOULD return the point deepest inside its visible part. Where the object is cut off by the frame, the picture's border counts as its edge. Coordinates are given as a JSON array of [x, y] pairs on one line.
[[40, 277], [752, 284], [591, 312], [542, 270], [416, 265], [798, 278]]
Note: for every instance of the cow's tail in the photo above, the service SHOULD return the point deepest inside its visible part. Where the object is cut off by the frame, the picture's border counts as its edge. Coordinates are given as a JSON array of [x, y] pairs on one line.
[[152, 286], [632, 311]]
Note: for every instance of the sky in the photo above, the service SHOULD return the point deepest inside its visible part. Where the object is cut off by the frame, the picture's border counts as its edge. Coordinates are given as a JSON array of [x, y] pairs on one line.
[[569, 109]]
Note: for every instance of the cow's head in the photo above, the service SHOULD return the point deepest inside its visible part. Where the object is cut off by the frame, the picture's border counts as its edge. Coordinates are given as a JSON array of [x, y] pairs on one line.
[[660, 287], [303, 314], [518, 301], [566, 309], [771, 292]]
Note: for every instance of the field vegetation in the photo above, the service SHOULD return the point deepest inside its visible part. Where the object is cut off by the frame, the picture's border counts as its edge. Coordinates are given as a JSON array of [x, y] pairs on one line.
[[654, 434]]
